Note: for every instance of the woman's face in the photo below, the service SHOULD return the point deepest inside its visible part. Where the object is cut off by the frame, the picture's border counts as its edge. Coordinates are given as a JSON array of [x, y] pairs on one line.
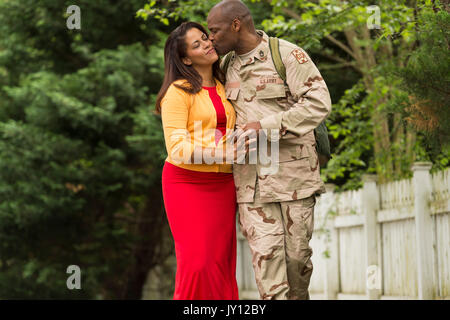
[[199, 49]]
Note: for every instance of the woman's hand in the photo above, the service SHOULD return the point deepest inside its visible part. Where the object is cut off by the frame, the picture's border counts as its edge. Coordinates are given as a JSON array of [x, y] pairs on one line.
[[237, 146]]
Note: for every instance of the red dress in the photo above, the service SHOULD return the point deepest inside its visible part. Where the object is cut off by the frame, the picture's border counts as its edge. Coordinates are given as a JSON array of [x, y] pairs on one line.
[[201, 210]]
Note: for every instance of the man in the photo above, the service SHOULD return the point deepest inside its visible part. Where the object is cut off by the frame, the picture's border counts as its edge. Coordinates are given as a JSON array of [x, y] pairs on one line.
[[276, 211]]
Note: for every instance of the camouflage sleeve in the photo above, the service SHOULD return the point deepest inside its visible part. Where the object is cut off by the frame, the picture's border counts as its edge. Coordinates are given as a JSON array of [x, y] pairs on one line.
[[307, 88], [174, 116]]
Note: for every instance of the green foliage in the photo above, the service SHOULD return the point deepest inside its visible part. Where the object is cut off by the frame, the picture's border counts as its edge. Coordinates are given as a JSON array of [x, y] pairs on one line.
[[173, 12], [34, 35], [317, 26], [80, 150], [312, 24], [426, 77], [349, 124], [86, 144]]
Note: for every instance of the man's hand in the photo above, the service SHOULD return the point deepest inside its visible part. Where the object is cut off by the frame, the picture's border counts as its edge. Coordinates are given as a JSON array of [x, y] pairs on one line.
[[237, 146], [253, 126]]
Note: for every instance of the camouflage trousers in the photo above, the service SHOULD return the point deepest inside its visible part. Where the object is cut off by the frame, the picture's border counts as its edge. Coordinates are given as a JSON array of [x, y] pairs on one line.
[[278, 235]]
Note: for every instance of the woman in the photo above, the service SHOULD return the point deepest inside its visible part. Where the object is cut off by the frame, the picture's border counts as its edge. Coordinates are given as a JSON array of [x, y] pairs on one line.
[[197, 180]]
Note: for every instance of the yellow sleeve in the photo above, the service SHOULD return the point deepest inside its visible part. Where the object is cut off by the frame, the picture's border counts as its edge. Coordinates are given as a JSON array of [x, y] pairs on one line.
[[174, 114]]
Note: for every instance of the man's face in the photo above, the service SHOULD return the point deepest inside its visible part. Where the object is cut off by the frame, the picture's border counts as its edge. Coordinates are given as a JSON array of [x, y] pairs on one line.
[[224, 39]]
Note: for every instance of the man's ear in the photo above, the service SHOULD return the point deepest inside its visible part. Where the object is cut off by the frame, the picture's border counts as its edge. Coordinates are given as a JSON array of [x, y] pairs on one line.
[[187, 61], [236, 25]]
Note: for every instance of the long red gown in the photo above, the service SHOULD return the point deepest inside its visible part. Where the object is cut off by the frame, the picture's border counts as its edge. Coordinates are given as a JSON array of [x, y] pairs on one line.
[[201, 210]]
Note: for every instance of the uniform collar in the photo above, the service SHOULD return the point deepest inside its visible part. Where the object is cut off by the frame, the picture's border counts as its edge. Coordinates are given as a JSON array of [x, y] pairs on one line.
[[263, 46], [260, 52]]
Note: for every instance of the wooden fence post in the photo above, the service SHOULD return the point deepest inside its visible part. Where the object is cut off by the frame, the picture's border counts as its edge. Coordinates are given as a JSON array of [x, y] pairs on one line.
[[370, 206], [424, 230], [331, 277], [240, 274]]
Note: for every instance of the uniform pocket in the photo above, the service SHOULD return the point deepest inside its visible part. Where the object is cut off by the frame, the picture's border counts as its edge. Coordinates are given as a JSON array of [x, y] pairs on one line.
[[232, 93], [290, 175], [270, 91], [307, 211], [309, 202], [290, 153], [307, 205], [293, 170], [237, 179]]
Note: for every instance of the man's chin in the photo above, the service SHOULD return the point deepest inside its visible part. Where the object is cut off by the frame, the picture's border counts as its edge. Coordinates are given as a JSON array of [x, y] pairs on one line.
[[220, 52]]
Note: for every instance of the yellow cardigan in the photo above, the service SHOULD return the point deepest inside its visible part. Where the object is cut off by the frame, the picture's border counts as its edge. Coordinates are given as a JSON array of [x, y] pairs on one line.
[[181, 112]]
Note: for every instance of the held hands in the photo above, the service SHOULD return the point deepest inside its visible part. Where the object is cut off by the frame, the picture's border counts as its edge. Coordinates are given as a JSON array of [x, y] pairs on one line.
[[237, 145]]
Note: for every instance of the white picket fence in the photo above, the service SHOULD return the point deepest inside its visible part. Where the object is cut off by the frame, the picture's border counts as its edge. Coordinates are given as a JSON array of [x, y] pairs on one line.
[[389, 241]]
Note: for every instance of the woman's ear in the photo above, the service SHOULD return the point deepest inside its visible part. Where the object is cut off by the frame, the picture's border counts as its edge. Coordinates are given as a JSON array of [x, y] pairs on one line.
[[187, 61]]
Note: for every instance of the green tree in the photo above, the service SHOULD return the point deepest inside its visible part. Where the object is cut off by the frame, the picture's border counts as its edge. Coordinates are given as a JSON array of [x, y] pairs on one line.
[[368, 124], [80, 150], [370, 119], [426, 80]]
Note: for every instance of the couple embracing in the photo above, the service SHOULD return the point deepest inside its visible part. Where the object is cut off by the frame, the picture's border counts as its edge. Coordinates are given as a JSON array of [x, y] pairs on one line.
[[214, 112]]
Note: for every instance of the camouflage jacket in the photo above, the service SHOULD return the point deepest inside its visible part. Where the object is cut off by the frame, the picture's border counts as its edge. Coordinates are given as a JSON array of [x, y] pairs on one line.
[[292, 108]]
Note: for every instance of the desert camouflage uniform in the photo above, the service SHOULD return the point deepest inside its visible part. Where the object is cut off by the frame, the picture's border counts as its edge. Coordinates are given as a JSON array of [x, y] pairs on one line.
[[276, 211]]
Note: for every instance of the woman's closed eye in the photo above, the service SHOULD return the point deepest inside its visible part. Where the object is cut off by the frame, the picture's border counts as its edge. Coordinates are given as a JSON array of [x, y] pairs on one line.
[[197, 43]]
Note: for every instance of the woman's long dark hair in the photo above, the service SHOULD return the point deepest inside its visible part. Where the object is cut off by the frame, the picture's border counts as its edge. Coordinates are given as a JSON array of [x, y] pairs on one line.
[[175, 69]]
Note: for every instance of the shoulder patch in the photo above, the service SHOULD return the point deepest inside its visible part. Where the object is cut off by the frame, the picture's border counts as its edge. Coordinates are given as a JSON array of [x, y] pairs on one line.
[[300, 56]]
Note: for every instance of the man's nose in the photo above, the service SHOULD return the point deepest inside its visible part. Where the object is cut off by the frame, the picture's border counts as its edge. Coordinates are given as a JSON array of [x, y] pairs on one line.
[[211, 37]]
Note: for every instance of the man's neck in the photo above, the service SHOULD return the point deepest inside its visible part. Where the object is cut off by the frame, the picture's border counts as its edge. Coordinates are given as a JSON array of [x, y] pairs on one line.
[[249, 41]]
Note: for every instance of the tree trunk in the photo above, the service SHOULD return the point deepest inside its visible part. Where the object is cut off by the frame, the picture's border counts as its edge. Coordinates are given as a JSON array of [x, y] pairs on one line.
[[399, 145], [366, 61], [409, 145], [152, 230]]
